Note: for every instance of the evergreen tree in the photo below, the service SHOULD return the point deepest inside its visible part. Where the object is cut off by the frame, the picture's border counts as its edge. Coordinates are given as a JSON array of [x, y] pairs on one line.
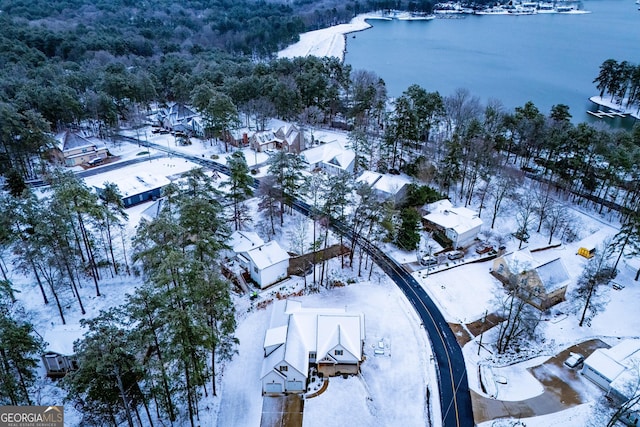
[[285, 169], [408, 236], [19, 358], [240, 185]]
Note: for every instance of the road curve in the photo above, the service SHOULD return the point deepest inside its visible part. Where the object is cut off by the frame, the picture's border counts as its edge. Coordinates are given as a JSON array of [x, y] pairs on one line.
[[455, 398]]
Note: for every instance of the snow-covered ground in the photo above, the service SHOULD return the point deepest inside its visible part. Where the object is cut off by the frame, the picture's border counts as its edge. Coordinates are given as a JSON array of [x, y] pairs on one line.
[[392, 388]]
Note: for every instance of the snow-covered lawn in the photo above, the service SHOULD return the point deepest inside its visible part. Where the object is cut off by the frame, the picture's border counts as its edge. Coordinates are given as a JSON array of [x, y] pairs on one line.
[[392, 387]]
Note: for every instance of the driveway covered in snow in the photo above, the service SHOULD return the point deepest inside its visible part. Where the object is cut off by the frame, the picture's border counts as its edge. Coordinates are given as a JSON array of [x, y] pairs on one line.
[[563, 389]]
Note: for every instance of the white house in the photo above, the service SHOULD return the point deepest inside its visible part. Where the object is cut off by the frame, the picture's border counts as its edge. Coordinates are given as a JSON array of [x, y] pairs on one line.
[[387, 186], [331, 157], [330, 340], [267, 263], [615, 369], [460, 225]]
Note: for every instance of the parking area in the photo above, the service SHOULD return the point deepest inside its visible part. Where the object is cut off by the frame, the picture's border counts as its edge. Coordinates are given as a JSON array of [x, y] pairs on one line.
[[564, 388]]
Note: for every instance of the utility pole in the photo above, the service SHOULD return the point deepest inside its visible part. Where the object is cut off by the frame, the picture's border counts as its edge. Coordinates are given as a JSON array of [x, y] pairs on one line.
[[484, 319]]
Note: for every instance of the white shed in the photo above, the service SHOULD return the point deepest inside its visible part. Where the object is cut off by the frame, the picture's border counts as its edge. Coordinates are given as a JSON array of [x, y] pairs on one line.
[[267, 263]]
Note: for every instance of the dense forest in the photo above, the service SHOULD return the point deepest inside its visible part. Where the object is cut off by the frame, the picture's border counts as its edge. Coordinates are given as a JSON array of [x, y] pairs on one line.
[[102, 65]]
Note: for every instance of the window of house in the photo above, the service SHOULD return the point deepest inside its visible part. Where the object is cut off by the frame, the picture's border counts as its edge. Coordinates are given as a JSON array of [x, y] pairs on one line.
[[338, 352], [284, 368], [312, 355], [500, 268], [255, 269]]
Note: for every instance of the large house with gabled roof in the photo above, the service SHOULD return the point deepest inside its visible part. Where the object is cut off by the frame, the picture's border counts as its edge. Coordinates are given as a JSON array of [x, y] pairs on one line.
[[299, 339], [77, 148]]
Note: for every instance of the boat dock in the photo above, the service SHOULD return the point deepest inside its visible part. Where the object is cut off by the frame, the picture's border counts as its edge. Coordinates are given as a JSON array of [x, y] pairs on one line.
[[610, 114]]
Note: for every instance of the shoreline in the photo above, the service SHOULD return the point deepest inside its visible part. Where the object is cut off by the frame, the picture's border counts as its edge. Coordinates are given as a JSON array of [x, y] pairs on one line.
[[615, 109], [332, 41]]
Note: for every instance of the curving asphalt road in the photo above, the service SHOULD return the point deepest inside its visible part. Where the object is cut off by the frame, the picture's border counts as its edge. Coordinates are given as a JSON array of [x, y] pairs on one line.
[[455, 398]]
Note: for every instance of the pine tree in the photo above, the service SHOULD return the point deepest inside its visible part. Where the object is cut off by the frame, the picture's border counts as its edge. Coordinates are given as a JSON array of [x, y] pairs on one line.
[[240, 185], [19, 351], [409, 232]]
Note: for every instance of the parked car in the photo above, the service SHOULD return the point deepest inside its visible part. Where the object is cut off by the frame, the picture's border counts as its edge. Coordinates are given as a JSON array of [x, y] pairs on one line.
[[484, 248], [455, 255], [574, 360], [96, 161], [429, 260]]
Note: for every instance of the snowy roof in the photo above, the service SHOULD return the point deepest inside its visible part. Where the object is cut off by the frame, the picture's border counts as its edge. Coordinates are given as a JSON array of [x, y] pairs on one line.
[[68, 141], [624, 350], [387, 183], [275, 336], [266, 137], [60, 339], [130, 185], [345, 330], [267, 255], [601, 362], [242, 241], [153, 211], [460, 219], [520, 261], [309, 329], [332, 152], [553, 275]]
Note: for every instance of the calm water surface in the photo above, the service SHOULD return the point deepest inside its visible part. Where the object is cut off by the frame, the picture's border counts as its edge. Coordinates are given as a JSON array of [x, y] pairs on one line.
[[548, 58]]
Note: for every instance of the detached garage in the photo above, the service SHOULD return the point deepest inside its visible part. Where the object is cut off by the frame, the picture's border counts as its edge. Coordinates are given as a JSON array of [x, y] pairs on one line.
[[601, 369]]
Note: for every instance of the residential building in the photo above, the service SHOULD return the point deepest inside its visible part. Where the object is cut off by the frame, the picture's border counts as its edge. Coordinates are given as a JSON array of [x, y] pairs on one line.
[[331, 157], [288, 138], [300, 340], [387, 186], [267, 264], [180, 118], [76, 148], [541, 283], [459, 225], [615, 369]]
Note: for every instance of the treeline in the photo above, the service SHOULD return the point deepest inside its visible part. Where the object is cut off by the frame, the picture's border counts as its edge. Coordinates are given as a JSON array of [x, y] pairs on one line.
[[159, 350], [620, 80]]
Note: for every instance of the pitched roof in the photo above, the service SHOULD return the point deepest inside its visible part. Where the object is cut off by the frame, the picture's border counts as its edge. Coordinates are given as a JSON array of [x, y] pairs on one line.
[[267, 255], [332, 152], [345, 330], [459, 219], [386, 184], [553, 275], [242, 241], [67, 141]]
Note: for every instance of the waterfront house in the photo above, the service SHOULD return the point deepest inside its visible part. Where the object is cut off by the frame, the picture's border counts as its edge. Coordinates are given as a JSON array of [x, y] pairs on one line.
[[300, 341], [542, 284], [77, 148]]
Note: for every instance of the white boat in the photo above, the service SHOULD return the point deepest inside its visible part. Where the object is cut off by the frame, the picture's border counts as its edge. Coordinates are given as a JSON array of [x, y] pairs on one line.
[[496, 10]]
